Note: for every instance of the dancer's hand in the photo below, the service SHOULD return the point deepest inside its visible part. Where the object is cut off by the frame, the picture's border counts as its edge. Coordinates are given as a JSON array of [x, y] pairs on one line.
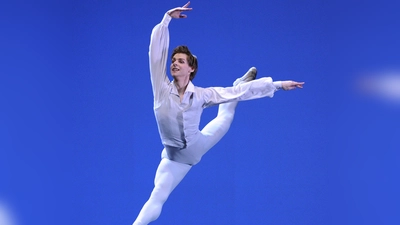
[[290, 85], [176, 12]]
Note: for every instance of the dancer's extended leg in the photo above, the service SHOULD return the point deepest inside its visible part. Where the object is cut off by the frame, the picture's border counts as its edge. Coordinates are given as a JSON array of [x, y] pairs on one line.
[[218, 127], [168, 176]]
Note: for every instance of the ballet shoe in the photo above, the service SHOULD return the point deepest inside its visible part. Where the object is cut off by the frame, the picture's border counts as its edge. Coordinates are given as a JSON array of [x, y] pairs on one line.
[[249, 76]]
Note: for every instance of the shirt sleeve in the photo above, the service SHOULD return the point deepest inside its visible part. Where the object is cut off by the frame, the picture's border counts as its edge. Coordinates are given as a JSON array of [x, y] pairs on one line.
[[158, 54], [277, 84], [260, 88]]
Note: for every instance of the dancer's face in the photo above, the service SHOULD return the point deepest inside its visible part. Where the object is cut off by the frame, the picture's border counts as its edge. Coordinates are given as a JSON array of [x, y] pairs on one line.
[[180, 66]]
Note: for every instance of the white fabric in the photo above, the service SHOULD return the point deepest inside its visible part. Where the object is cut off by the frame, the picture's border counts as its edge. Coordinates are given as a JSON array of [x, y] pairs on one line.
[[168, 176], [170, 173], [178, 121]]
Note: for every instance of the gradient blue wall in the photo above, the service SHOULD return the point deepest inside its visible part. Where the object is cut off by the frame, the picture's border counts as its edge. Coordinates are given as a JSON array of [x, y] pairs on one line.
[[80, 142]]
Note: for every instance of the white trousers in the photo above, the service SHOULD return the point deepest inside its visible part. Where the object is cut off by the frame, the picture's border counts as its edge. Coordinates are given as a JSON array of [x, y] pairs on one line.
[[170, 173]]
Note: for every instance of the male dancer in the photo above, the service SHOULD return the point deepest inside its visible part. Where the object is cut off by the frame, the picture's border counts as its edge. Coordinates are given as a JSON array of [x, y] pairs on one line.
[[178, 106]]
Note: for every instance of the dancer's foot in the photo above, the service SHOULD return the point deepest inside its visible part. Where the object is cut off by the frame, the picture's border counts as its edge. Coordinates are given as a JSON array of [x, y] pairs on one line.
[[249, 76]]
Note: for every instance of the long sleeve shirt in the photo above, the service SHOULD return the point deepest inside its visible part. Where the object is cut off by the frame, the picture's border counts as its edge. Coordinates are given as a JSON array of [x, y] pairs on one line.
[[178, 120]]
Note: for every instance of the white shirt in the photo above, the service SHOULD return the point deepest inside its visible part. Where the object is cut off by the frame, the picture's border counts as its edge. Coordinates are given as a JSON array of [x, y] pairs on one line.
[[178, 121]]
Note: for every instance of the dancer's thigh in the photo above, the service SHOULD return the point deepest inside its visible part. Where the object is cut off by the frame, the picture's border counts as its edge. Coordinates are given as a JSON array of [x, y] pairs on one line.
[[212, 133], [219, 126], [169, 174]]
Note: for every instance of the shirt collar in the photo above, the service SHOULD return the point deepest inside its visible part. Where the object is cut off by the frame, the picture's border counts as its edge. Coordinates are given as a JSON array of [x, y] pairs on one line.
[[189, 88]]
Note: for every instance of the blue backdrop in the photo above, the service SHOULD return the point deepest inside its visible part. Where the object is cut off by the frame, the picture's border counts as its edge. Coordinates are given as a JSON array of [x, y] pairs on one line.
[[79, 141]]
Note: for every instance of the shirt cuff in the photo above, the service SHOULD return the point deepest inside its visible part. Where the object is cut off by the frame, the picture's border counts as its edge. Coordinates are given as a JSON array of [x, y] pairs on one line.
[[167, 18], [277, 84]]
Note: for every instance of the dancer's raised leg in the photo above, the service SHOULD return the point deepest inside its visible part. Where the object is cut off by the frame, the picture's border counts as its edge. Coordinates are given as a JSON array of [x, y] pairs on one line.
[[218, 127], [169, 174]]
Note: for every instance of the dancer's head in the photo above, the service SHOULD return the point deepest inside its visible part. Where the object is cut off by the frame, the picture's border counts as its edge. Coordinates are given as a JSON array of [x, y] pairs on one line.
[[183, 62]]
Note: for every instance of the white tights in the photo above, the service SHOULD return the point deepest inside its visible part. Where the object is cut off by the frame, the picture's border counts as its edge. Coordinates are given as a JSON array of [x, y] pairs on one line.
[[170, 173]]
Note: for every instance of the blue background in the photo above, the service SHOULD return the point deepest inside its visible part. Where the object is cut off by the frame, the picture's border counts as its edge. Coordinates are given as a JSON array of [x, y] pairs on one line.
[[79, 141]]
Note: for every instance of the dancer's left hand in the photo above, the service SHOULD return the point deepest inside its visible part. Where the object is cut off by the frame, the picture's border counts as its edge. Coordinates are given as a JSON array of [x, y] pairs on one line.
[[177, 12]]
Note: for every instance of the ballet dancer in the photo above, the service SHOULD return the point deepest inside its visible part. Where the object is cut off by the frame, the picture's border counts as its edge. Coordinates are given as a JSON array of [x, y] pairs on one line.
[[178, 105]]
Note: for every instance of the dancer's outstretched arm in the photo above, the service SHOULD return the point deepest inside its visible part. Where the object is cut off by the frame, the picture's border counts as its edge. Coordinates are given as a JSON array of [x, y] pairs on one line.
[[158, 50], [259, 88]]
